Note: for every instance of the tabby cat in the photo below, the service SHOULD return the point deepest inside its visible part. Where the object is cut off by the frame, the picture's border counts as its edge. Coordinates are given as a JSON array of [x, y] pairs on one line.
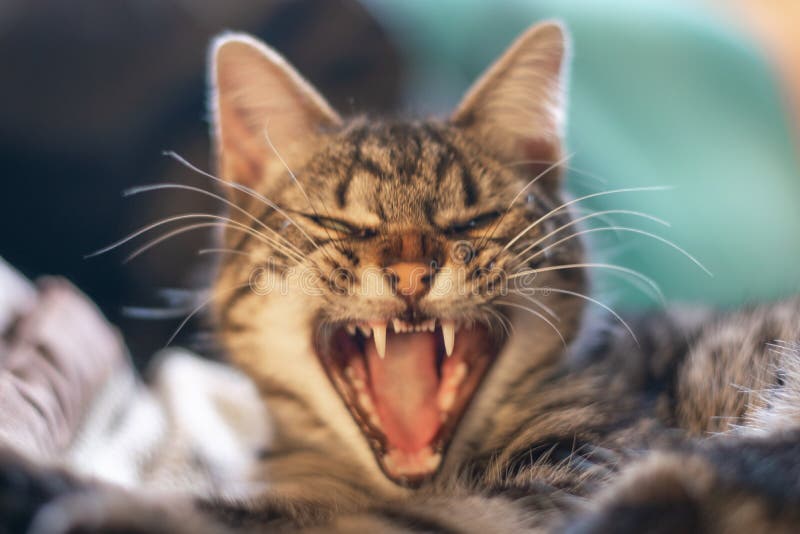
[[409, 297]]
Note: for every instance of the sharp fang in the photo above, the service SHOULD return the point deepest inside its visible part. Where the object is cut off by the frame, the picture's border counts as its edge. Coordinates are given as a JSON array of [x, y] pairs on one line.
[[449, 335], [365, 330], [351, 329], [379, 331]]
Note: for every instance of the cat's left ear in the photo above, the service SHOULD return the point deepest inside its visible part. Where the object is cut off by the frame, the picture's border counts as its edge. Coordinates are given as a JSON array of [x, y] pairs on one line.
[[517, 106], [257, 99]]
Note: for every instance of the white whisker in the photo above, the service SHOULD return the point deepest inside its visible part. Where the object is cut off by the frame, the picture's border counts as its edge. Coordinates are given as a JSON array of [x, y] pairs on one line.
[[202, 305], [621, 229], [191, 227], [155, 187], [226, 222], [609, 266], [547, 309], [579, 199], [592, 215], [243, 189], [537, 314], [593, 301]]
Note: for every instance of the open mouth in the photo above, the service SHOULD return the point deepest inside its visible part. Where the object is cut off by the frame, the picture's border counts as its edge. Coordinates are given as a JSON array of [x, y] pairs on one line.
[[407, 385]]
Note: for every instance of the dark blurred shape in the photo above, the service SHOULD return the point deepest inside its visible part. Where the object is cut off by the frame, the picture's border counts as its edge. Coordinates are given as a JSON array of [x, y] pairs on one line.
[[92, 92]]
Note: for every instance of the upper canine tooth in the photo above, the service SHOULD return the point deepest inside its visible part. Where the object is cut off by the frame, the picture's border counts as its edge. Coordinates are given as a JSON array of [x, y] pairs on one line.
[[379, 330], [365, 329], [449, 335]]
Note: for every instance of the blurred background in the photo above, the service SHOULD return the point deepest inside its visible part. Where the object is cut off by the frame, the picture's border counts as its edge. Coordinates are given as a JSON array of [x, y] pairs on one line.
[[702, 96]]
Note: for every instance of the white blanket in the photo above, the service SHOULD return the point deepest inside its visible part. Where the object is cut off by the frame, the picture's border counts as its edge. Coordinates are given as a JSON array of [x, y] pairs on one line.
[[69, 396]]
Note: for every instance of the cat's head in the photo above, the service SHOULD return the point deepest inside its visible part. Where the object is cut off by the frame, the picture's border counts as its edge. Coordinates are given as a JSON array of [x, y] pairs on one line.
[[390, 282]]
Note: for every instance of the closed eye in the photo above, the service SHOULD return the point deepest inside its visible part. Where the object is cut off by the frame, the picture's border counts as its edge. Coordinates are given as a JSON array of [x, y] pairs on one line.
[[343, 228], [476, 223]]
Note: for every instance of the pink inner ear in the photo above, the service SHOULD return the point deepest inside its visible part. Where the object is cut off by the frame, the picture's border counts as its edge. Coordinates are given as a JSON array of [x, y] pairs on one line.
[[241, 160], [541, 150], [541, 155]]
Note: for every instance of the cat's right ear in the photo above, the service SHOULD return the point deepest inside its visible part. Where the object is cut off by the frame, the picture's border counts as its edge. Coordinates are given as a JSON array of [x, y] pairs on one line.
[[263, 110]]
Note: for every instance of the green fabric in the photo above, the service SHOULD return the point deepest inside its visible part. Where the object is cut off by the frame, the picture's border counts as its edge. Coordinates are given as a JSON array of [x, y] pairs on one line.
[[661, 93]]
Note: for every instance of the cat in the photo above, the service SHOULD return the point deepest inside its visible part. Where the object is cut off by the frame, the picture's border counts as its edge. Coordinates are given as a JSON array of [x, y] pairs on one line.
[[410, 299]]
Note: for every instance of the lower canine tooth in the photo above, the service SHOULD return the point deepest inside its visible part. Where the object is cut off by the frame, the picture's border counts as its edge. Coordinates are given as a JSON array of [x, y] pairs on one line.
[[446, 401], [449, 335], [433, 461]]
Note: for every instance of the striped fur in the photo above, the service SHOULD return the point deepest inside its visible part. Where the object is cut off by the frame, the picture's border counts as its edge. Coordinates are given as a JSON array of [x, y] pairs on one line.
[[693, 428]]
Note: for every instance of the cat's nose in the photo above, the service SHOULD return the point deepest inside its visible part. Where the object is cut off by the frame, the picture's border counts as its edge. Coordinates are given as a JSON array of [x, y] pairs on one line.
[[410, 280]]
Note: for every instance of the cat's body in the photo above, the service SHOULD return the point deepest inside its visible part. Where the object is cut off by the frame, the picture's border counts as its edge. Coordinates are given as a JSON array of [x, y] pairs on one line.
[[409, 301]]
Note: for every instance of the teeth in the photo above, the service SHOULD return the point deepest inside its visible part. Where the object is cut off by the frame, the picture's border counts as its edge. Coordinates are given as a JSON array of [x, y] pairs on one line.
[[449, 335], [433, 461], [374, 421], [351, 329], [390, 463], [400, 326], [446, 400], [365, 330], [366, 403], [459, 373], [379, 329]]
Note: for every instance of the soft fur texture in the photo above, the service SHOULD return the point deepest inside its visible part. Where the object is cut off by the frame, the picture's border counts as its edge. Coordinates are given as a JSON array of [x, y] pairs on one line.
[[576, 426]]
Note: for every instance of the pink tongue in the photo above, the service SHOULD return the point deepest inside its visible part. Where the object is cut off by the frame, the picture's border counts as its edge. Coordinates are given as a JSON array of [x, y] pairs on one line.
[[404, 386]]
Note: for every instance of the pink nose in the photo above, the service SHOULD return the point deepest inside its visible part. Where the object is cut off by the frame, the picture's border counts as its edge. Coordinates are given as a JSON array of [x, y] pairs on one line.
[[412, 279]]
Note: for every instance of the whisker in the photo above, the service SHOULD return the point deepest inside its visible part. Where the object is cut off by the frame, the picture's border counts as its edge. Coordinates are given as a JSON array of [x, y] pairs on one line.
[[154, 187], [204, 251], [621, 229], [504, 322], [597, 302], [191, 227], [301, 188], [152, 313], [243, 189], [613, 292], [228, 222], [489, 233], [609, 266], [596, 214], [580, 199], [202, 305], [570, 168], [540, 175], [547, 309], [537, 314]]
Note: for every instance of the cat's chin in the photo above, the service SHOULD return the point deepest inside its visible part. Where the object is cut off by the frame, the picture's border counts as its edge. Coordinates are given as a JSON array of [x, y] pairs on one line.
[[407, 385]]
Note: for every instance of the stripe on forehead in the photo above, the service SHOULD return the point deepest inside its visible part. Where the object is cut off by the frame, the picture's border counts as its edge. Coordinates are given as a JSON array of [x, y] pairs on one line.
[[396, 151], [452, 157]]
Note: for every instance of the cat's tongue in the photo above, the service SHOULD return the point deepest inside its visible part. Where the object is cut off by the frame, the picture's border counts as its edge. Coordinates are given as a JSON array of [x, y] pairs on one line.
[[404, 386]]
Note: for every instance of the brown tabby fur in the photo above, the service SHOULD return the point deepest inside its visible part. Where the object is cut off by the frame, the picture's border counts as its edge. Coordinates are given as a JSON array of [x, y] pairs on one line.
[[692, 428]]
